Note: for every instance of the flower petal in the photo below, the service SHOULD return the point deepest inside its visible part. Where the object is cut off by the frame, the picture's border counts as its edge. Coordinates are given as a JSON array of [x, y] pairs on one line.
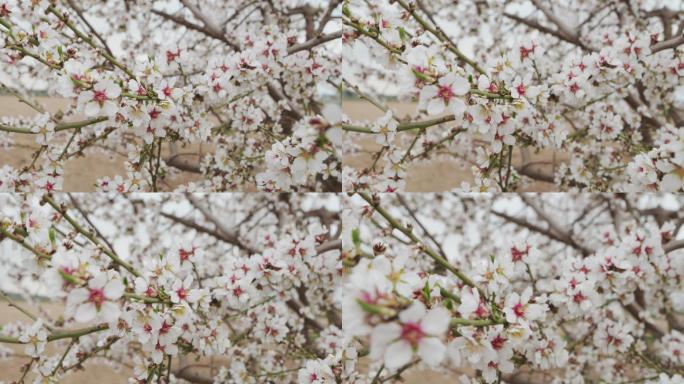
[[85, 312], [114, 289], [436, 322], [413, 314], [398, 354], [431, 350]]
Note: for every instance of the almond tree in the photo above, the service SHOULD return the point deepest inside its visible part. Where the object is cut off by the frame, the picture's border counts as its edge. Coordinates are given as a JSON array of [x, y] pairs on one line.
[[172, 288], [512, 288], [499, 82], [151, 82]]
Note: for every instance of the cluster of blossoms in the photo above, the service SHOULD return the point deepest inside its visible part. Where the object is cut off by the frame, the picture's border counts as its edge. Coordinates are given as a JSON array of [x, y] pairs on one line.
[[187, 96], [160, 283], [599, 92], [493, 303]]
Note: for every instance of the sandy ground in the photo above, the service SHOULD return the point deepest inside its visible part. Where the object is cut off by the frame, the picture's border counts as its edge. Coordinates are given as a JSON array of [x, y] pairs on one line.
[[80, 174], [436, 176]]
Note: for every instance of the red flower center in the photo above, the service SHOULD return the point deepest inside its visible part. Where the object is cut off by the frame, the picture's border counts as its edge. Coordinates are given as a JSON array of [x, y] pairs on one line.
[[578, 297], [412, 333], [96, 296], [498, 342], [445, 93], [519, 310], [100, 97], [182, 294], [521, 89]]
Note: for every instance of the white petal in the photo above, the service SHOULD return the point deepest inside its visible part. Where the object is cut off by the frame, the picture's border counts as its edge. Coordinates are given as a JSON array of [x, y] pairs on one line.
[[110, 312], [526, 295], [458, 107], [671, 183], [110, 108], [92, 109], [496, 146], [382, 265], [114, 289], [85, 312], [299, 165], [454, 352], [382, 335], [113, 91], [101, 85], [448, 79], [460, 86], [483, 82], [426, 94], [413, 314], [77, 296], [85, 97], [431, 350], [435, 106], [397, 354], [436, 322], [98, 281]]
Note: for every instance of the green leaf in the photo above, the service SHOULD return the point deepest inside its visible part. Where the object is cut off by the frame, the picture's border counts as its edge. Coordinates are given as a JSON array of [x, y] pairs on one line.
[[426, 292], [375, 309], [356, 237], [52, 235]]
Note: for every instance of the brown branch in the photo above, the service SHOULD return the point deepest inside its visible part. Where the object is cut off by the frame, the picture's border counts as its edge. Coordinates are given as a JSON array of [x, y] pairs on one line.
[[329, 246], [673, 245], [327, 15], [212, 232], [211, 28], [198, 28], [667, 44], [535, 228], [314, 42], [184, 165], [534, 173], [535, 25]]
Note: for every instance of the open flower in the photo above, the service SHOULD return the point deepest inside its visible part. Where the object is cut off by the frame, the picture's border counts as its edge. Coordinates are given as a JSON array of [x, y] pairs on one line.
[[519, 309], [418, 331], [35, 338], [100, 99], [385, 129], [444, 95], [97, 301]]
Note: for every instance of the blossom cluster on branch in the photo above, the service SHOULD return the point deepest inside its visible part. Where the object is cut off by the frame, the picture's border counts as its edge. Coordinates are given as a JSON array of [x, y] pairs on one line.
[[251, 81], [161, 284], [519, 289], [494, 81]]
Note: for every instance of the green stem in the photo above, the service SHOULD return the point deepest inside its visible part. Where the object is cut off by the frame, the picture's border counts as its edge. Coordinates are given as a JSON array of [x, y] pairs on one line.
[[59, 335], [90, 236], [20, 240], [427, 250], [456, 321], [452, 47], [58, 127], [90, 42], [404, 126]]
